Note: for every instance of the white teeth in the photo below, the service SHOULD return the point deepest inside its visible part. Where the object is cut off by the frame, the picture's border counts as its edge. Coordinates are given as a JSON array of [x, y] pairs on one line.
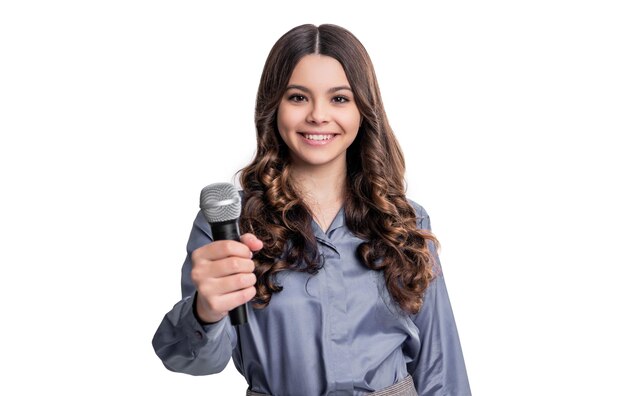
[[318, 137]]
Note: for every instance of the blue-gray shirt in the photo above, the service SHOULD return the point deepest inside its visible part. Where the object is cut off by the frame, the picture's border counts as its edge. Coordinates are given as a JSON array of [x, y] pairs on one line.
[[333, 333]]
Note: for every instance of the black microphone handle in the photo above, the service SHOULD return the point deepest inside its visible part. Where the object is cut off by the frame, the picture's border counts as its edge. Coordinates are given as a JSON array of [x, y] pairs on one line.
[[229, 230]]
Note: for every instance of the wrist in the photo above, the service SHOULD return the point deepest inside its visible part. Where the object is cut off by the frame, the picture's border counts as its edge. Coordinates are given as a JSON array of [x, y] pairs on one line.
[[196, 313]]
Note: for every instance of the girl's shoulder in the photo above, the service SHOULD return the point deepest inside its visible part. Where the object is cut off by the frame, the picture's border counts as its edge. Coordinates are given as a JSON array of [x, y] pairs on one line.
[[423, 219]]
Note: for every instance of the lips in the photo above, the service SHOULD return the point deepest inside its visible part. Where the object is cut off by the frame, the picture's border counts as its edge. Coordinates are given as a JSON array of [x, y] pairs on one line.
[[317, 138]]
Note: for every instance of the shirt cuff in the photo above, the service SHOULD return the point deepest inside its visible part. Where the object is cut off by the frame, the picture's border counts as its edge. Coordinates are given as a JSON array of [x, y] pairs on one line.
[[198, 334]]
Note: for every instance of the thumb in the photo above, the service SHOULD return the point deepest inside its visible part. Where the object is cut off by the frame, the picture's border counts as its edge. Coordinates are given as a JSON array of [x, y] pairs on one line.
[[251, 241]]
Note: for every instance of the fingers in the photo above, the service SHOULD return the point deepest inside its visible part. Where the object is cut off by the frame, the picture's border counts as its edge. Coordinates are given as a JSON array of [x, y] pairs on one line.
[[229, 266], [222, 272], [216, 296], [252, 242], [222, 258], [227, 284], [226, 302], [221, 249]]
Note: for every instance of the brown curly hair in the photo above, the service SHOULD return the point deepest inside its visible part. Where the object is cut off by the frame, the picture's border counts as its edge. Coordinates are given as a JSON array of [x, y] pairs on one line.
[[375, 205]]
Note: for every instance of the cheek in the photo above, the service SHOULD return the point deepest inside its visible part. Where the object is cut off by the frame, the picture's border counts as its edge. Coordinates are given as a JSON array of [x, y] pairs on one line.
[[287, 120], [282, 122], [350, 123]]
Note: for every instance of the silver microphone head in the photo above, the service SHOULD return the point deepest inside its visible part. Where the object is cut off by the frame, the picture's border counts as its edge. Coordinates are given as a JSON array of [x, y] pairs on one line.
[[220, 202]]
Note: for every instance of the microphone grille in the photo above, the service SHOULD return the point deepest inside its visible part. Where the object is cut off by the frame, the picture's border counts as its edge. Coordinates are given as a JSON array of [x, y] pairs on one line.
[[220, 202]]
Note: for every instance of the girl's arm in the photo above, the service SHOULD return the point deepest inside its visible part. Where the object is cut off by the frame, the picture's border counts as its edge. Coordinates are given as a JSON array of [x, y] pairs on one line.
[[439, 368], [181, 342]]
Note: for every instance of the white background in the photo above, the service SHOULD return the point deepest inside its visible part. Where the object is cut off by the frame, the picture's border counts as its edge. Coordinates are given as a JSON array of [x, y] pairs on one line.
[[114, 115]]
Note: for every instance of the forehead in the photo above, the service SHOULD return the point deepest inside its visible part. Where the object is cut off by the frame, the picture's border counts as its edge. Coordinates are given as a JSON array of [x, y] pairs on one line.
[[318, 70]]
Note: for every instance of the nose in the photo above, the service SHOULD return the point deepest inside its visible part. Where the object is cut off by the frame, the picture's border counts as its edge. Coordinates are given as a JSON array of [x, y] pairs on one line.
[[318, 113]]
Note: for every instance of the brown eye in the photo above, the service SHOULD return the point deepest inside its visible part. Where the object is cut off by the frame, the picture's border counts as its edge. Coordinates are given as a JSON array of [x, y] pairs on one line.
[[340, 99], [297, 98]]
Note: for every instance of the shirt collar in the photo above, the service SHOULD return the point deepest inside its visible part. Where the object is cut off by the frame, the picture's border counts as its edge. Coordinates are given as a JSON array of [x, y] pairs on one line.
[[337, 222]]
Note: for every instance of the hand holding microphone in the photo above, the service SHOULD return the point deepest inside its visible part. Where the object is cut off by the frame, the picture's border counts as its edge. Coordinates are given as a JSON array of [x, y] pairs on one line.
[[222, 271]]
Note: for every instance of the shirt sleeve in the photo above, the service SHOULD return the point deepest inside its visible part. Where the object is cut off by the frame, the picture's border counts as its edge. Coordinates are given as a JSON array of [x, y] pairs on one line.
[[439, 368], [181, 342]]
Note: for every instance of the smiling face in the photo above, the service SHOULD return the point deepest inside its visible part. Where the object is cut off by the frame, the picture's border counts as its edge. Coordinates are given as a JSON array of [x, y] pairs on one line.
[[317, 117]]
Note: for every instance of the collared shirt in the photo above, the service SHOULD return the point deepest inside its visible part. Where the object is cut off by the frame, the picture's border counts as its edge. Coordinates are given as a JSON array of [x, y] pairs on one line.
[[333, 333]]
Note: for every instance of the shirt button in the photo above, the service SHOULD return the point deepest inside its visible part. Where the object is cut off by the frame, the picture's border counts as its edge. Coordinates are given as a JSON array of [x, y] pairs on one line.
[[198, 335]]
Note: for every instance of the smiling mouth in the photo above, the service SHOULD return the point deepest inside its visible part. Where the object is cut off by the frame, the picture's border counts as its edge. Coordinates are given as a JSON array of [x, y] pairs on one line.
[[318, 136]]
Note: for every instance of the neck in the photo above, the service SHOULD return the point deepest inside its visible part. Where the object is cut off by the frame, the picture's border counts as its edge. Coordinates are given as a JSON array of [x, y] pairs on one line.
[[320, 183], [322, 189]]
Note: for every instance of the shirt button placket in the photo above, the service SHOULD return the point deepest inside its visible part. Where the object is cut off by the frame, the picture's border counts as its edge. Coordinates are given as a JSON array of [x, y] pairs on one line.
[[340, 348]]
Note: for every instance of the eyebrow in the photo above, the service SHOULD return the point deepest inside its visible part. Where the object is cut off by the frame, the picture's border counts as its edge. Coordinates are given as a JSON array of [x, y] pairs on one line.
[[305, 89]]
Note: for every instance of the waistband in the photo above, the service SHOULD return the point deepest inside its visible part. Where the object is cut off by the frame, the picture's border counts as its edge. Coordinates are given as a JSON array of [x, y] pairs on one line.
[[402, 388]]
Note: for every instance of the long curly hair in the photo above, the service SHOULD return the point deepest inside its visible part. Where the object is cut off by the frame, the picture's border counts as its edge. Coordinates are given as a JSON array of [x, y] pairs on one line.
[[375, 205]]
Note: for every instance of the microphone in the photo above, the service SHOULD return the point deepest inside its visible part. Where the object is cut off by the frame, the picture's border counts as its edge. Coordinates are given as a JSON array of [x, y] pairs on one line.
[[221, 206]]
